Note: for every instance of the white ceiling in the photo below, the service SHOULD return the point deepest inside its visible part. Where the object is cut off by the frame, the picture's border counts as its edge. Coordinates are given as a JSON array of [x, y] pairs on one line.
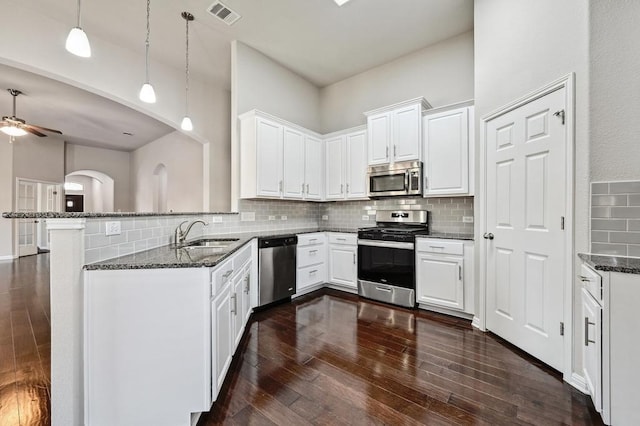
[[317, 39], [83, 118]]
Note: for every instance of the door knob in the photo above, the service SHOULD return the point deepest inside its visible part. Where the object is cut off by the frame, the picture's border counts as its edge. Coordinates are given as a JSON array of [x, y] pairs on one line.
[[488, 236]]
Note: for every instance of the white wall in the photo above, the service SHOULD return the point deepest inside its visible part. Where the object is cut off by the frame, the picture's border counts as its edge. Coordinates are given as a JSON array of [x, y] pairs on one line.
[[108, 161], [6, 198], [442, 73], [39, 159], [615, 90], [182, 156], [218, 162], [519, 47]]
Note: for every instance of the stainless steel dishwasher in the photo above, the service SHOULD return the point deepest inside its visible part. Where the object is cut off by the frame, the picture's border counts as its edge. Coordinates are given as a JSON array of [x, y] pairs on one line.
[[277, 268]]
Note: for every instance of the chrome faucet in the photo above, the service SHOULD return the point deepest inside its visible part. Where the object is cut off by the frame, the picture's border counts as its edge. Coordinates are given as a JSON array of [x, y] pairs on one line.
[[181, 236]]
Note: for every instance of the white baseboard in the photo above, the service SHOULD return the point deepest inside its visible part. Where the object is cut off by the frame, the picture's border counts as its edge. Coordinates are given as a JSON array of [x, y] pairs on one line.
[[445, 311], [476, 323], [577, 381], [9, 257]]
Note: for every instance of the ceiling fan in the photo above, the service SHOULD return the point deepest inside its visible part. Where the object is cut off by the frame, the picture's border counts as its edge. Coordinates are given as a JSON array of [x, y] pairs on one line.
[[14, 126]]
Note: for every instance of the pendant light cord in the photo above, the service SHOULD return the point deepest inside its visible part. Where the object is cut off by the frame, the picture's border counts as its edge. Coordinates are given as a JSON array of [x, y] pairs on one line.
[[186, 108], [147, 43], [79, 14]]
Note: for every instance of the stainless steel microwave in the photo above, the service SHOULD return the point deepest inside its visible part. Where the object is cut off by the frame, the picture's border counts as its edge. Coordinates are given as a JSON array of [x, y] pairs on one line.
[[404, 178]]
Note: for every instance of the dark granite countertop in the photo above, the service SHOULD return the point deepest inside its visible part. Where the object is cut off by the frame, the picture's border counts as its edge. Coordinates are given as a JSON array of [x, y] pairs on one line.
[[627, 265], [343, 230], [449, 236], [80, 215], [170, 256]]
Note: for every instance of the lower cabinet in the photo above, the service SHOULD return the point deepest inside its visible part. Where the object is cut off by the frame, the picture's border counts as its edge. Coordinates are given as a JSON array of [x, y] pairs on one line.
[[592, 348], [343, 260], [221, 321], [444, 275], [311, 254]]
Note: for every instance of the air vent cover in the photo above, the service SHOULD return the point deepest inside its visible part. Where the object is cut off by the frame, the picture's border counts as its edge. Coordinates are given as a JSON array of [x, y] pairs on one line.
[[222, 12]]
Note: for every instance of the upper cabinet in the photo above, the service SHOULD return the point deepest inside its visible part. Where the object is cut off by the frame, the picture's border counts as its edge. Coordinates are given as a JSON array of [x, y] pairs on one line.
[[279, 159], [346, 165], [395, 132], [448, 151]]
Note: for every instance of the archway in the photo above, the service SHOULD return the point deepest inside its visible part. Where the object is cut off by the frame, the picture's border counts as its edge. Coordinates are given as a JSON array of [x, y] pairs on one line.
[[97, 189]]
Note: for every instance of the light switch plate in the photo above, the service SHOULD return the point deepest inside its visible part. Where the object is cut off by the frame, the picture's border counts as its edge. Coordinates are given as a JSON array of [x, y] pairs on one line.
[[272, 218], [216, 219], [467, 219], [112, 228], [283, 217], [325, 217]]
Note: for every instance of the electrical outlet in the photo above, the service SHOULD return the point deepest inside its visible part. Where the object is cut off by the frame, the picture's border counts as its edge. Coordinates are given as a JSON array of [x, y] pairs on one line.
[[371, 212], [365, 217], [272, 218], [467, 219], [248, 217], [216, 219], [112, 228], [325, 217], [283, 217]]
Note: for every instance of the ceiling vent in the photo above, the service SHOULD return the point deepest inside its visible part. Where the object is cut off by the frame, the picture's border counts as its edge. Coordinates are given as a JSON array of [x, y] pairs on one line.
[[222, 12]]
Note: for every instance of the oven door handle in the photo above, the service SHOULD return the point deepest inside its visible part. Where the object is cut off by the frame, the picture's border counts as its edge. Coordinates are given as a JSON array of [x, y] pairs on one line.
[[386, 244]]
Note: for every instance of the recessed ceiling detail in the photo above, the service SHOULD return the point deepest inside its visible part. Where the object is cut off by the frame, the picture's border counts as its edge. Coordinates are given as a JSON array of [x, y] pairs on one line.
[[222, 12]]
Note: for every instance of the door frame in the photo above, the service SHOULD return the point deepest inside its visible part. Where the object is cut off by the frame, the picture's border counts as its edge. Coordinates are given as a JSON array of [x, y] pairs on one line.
[[480, 319]]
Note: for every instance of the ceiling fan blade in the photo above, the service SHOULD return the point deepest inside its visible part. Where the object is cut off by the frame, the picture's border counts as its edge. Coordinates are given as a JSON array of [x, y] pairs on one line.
[[43, 129], [33, 131]]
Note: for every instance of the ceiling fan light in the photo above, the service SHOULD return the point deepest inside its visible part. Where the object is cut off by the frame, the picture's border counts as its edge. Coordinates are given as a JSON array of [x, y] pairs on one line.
[[13, 131], [78, 43], [147, 94], [340, 2], [186, 124]]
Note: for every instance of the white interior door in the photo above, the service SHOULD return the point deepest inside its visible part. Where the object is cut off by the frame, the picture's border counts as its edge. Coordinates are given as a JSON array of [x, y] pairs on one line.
[[49, 201], [526, 194], [26, 201]]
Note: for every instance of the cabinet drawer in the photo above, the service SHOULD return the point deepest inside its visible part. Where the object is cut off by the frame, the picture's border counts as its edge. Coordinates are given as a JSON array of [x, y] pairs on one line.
[[312, 255], [592, 281], [311, 275], [242, 256], [339, 238], [440, 246], [309, 239], [221, 275]]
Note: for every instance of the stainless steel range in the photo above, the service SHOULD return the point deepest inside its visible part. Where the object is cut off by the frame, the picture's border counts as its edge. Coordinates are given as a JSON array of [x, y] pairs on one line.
[[386, 256]]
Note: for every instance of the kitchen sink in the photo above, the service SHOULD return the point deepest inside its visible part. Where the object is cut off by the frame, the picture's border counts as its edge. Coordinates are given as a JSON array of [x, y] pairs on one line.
[[212, 243]]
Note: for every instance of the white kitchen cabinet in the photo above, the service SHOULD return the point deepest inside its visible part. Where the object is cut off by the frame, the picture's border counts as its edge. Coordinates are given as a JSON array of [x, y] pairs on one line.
[[313, 168], [343, 261], [444, 275], [222, 345], [592, 348], [269, 158], [293, 164], [274, 159], [311, 257], [346, 166], [395, 132], [447, 145]]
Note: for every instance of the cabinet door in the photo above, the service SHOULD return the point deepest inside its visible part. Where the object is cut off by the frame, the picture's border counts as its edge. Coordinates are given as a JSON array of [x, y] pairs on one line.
[[342, 265], [447, 153], [407, 134], [269, 158], [293, 163], [237, 310], [592, 347], [221, 347], [440, 280], [334, 168], [379, 130], [356, 165], [314, 156]]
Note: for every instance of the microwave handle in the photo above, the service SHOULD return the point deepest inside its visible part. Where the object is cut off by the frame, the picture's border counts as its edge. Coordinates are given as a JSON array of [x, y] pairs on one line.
[[406, 180]]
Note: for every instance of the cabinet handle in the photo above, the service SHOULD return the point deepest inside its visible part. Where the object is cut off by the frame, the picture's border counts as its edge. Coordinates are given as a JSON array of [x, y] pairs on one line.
[[347, 188], [313, 239], [437, 247], [354, 258], [425, 183], [460, 272], [388, 290], [246, 284], [583, 278], [226, 275], [386, 152], [394, 150], [307, 189], [280, 186], [341, 239], [313, 272], [313, 251], [234, 310], [587, 323], [342, 188], [303, 187]]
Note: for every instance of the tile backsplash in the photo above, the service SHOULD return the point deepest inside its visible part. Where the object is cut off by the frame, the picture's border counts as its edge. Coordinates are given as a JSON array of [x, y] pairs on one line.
[[615, 218], [446, 214]]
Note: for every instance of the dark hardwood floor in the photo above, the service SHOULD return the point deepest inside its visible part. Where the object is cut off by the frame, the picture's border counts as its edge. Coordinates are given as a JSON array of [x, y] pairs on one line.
[[331, 358], [327, 358], [25, 342]]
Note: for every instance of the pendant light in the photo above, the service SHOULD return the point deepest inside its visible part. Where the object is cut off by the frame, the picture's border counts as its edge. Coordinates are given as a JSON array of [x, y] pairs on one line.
[[147, 94], [186, 124], [77, 41]]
